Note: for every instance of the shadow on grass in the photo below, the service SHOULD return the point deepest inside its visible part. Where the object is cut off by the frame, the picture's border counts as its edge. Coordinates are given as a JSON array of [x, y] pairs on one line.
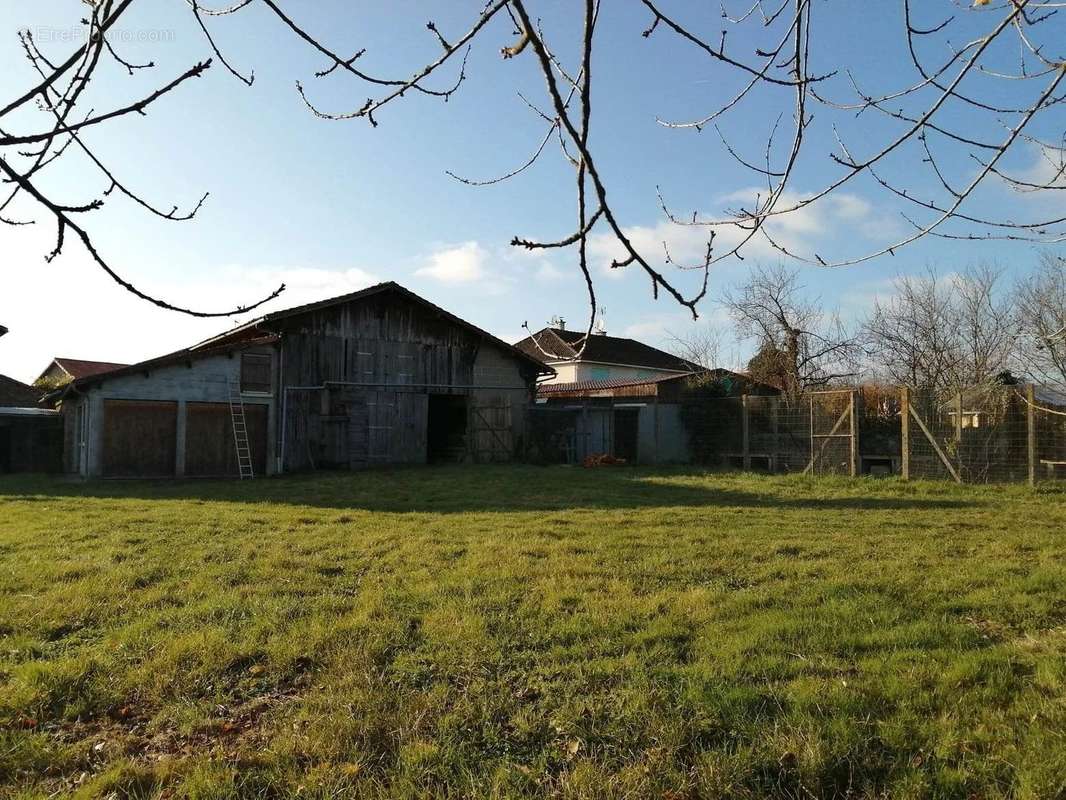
[[464, 489]]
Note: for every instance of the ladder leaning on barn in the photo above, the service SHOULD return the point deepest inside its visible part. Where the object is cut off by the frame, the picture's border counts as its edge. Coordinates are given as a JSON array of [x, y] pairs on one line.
[[240, 431]]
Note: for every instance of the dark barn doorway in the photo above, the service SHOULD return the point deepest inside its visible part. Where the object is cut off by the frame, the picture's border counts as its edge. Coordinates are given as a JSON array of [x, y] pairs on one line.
[[626, 425], [446, 428], [5, 448]]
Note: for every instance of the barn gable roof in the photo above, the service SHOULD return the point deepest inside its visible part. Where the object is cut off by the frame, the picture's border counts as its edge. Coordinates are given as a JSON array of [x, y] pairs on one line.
[[377, 289], [258, 331]]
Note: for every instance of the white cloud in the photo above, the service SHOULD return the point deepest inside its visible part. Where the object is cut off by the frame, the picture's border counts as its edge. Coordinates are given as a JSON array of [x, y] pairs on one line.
[[803, 232], [71, 308], [462, 263], [1046, 168]]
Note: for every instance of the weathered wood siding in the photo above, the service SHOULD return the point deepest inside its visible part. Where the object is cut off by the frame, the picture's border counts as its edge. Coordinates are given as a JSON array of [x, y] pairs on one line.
[[210, 449], [381, 339], [140, 438], [378, 359]]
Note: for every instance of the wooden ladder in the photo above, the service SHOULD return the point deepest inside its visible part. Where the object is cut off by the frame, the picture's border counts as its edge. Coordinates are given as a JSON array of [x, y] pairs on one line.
[[240, 431]]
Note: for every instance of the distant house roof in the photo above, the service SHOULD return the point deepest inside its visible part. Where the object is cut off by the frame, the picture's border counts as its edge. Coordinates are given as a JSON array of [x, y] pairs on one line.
[[82, 368], [17, 394], [259, 331], [605, 387], [732, 382], [976, 399], [558, 344]]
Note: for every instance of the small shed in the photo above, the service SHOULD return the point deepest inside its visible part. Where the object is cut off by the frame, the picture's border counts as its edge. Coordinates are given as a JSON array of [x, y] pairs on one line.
[[31, 438], [636, 420], [639, 420]]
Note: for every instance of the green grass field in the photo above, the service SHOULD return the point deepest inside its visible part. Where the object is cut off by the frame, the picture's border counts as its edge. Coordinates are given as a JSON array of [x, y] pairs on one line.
[[532, 632]]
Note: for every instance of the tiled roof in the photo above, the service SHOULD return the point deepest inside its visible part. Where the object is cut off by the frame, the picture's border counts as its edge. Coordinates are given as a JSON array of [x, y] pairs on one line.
[[558, 344], [16, 393], [81, 368], [259, 331], [595, 386]]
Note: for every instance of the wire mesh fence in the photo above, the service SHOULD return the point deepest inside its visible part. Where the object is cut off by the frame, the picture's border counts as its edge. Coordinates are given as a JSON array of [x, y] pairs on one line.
[[982, 434], [812, 433]]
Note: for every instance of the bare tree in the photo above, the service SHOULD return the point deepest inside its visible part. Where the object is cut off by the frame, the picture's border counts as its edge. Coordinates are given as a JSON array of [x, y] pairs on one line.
[[799, 345], [1040, 304], [986, 324], [700, 345], [913, 338], [943, 333], [907, 143]]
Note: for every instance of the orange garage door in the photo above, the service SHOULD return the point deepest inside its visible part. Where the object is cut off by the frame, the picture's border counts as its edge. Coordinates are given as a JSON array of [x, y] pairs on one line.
[[139, 438], [209, 448]]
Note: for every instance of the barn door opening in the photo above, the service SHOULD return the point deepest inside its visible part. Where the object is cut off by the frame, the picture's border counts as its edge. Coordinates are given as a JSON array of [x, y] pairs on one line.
[[446, 428], [626, 426], [5, 448]]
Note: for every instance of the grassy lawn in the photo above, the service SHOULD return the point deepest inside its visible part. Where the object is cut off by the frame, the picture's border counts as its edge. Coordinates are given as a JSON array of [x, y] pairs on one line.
[[532, 632]]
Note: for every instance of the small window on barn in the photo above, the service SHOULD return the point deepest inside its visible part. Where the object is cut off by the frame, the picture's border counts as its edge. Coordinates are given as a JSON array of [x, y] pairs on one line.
[[255, 372]]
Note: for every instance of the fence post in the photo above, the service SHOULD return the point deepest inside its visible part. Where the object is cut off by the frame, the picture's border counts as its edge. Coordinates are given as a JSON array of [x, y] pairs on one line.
[[1030, 423], [854, 441], [746, 452], [810, 432], [905, 431], [775, 410], [958, 417]]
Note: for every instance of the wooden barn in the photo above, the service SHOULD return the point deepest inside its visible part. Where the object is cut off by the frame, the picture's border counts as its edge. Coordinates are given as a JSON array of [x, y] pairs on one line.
[[379, 376]]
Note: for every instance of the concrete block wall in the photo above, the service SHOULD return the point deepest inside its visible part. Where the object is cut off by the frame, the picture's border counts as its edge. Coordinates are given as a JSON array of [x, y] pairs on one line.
[[205, 380]]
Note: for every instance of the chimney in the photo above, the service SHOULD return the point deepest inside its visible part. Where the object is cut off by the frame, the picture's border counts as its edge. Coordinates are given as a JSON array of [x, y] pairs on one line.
[[557, 322]]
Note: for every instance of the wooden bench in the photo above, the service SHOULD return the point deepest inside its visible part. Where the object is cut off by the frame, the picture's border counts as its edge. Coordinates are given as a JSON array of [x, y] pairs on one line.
[[1051, 466]]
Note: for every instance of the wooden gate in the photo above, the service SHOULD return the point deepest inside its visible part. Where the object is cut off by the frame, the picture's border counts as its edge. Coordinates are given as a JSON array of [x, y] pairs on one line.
[[490, 437], [834, 433], [140, 438], [396, 427]]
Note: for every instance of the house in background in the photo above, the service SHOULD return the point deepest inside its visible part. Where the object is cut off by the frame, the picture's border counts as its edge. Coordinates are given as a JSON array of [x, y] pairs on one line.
[[604, 357], [379, 376], [616, 397], [639, 420], [64, 370]]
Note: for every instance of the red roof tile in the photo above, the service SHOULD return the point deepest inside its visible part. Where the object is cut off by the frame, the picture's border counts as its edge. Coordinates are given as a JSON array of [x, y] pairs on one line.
[[80, 368]]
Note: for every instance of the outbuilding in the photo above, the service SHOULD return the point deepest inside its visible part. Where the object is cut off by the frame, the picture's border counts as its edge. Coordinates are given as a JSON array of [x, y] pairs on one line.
[[378, 376]]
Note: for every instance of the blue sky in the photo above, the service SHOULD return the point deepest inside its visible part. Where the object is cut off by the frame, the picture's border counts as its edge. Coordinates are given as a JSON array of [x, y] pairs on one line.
[[331, 206]]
